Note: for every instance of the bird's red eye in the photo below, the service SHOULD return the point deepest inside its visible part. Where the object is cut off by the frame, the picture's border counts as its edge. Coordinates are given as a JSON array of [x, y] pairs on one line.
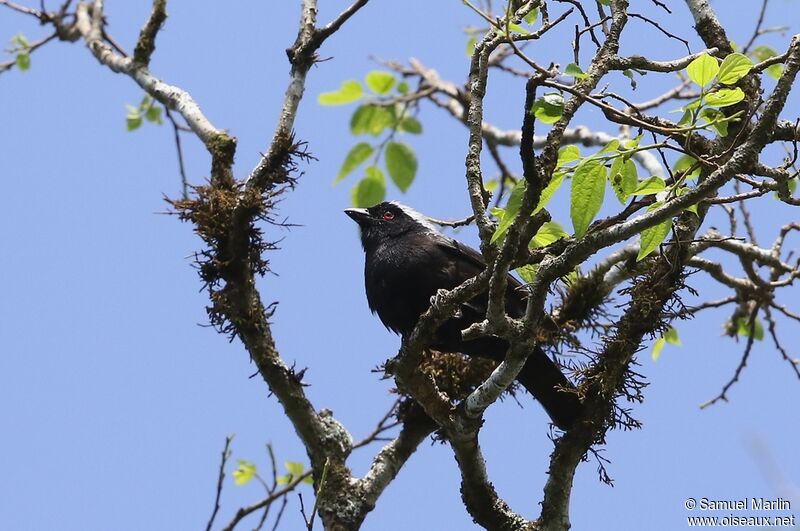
[[388, 216]]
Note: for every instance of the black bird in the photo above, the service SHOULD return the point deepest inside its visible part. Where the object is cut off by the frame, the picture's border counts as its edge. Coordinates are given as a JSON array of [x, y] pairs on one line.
[[408, 261]]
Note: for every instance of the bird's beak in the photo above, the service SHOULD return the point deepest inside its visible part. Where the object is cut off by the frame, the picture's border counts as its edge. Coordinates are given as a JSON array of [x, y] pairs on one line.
[[359, 215]]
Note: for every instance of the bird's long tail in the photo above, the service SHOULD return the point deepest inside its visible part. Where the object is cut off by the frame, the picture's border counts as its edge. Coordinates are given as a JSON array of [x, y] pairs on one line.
[[540, 375], [545, 381]]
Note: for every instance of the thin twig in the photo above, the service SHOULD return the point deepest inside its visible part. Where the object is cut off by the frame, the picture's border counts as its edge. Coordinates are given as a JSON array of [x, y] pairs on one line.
[[226, 453], [383, 426], [244, 511], [751, 327], [757, 30], [29, 49], [176, 130], [772, 327]]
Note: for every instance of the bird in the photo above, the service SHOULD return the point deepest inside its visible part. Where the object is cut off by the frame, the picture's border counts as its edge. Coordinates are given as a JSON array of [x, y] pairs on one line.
[[408, 261]]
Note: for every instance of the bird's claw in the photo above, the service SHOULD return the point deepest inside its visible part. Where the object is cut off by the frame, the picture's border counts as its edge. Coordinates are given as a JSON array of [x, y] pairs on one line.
[[436, 300], [437, 297]]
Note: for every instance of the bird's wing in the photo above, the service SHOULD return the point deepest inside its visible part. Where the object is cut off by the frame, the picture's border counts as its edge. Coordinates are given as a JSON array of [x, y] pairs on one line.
[[468, 263]]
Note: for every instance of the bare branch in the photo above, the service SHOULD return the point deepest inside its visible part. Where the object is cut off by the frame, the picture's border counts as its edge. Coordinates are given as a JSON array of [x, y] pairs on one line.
[[23, 9], [333, 26], [751, 327], [146, 44], [226, 453], [383, 425], [757, 30], [250, 509], [176, 129], [643, 63], [794, 363], [301, 56], [89, 24]]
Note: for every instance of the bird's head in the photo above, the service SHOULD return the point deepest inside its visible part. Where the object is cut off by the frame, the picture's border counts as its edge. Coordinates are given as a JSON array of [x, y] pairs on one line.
[[386, 220]]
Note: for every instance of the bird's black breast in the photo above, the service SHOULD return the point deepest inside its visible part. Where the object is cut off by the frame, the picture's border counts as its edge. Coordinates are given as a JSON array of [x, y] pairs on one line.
[[403, 273]]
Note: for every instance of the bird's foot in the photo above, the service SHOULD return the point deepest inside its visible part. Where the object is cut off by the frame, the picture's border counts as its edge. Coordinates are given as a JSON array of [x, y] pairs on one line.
[[436, 301]]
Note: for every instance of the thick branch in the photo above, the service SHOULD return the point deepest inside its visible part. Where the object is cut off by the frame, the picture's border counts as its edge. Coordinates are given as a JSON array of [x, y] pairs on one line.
[[146, 44]]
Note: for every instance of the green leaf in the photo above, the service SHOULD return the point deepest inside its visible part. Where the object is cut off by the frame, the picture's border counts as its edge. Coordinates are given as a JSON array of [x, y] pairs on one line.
[[549, 190], [571, 277], [548, 233], [519, 29], [370, 190], [716, 119], [284, 479], [411, 125], [658, 346], [23, 61], [549, 107], [624, 178], [651, 185], [401, 162], [471, 42], [370, 119], [671, 336], [133, 121], [530, 18], [355, 157], [527, 272], [744, 328], [629, 75], [403, 87], [348, 92], [20, 41], [762, 53], [308, 480], [694, 104], [653, 236], [633, 143], [775, 71], [703, 69], [153, 114], [568, 154], [575, 71], [724, 97], [586, 198], [611, 147], [792, 185], [295, 468], [684, 163], [759, 330], [380, 82], [245, 471], [686, 119], [512, 207], [733, 68]]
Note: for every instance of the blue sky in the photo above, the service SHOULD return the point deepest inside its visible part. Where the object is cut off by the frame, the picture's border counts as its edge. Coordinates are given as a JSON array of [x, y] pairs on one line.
[[116, 400]]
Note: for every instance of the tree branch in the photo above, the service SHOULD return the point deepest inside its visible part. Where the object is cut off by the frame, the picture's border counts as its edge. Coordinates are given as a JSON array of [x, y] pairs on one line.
[[146, 44]]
